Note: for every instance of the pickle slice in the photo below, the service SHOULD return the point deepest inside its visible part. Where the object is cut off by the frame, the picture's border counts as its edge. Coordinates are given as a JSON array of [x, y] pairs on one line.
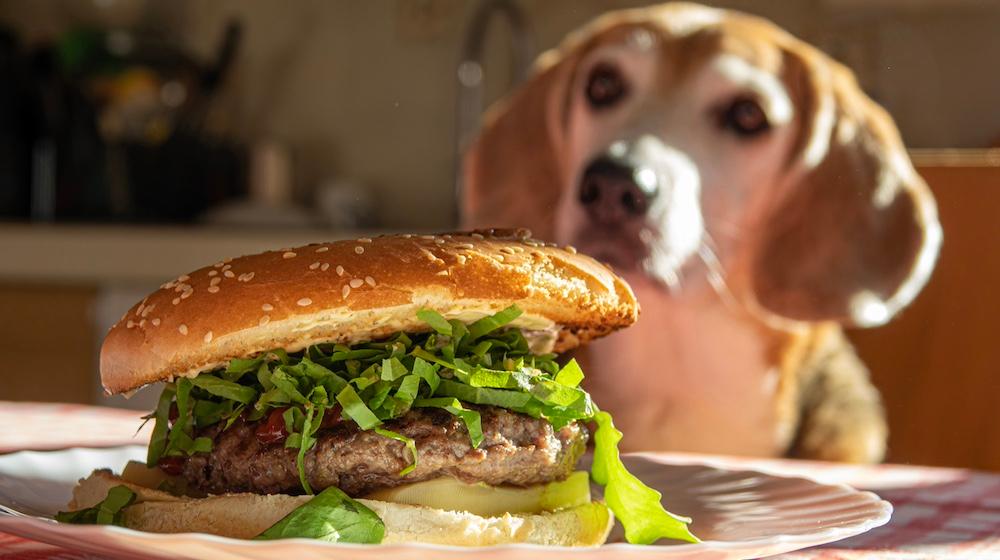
[[488, 501]]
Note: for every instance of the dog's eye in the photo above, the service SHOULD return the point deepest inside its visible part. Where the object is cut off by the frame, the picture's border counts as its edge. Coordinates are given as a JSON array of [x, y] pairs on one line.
[[745, 117], [605, 86]]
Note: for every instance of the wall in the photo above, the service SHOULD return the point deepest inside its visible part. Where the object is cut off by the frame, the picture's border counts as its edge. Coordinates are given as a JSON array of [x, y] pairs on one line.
[[365, 90]]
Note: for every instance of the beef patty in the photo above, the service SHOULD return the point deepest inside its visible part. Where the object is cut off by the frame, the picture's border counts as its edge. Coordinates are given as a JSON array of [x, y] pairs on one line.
[[517, 450]]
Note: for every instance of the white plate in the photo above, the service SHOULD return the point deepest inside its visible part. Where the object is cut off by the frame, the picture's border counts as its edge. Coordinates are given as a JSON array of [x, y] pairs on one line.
[[738, 514]]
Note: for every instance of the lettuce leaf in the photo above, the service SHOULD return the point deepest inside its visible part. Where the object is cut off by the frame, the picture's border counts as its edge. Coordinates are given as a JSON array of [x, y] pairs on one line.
[[410, 444], [453, 365], [636, 505], [330, 516], [106, 512]]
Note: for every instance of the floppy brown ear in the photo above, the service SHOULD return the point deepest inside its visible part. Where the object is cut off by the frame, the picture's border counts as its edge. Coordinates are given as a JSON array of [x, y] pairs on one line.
[[513, 172], [856, 234]]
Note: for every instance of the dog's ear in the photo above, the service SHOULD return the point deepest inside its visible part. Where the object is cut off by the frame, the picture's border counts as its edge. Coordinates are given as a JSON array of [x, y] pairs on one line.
[[855, 234], [515, 165]]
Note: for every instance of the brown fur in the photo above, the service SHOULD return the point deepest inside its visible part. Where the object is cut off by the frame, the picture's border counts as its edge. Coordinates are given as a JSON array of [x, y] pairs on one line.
[[857, 226]]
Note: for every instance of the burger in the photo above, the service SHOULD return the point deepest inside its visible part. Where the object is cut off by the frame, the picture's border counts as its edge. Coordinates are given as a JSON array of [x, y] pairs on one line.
[[406, 388]]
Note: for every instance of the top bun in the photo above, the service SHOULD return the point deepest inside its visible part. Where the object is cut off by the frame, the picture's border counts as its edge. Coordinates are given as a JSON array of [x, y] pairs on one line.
[[358, 290]]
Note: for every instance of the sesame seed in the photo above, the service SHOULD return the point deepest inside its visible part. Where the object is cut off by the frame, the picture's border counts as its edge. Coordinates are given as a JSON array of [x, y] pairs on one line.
[[213, 272], [130, 324], [465, 245], [219, 264], [215, 281], [477, 235], [427, 237], [208, 337], [142, 323], [461, 259], [499, 258], [267, 307], [359, 249], [246, 276], [213, 289], [407, 235], [439, 241], [314, 265], [227, 267], [288, 255], [507, 250], [325, 267], [186, 294], [156, 322], [138, 310], [183, 278], [264, 320], [304, 302], [357, 283], [176, 300], [370, 281], [365, 239], [571, 249], [322, 249], [340, 270], [183, 329], [345, 291], [227, 260], [229, 274], [443, 272]]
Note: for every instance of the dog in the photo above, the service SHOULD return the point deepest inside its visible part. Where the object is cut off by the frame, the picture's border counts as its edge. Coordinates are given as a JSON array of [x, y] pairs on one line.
[[755, 199]]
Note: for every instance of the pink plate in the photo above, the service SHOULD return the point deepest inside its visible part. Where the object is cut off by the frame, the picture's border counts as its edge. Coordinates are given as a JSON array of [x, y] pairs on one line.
[[738, 514]]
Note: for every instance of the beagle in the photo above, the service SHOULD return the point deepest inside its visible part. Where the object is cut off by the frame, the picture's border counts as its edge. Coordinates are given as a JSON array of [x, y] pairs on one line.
[[753, 196]]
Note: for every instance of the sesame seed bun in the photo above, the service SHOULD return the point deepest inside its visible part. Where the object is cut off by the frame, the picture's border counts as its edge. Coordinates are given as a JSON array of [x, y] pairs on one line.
[[359, 290]]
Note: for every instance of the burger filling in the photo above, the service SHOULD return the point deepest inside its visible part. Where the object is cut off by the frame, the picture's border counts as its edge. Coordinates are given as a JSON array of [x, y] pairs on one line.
[[470, 403], [516, 450]]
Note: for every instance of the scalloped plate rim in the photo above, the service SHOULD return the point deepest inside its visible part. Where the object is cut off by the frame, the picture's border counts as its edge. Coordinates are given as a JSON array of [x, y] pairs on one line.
[[797, 541]]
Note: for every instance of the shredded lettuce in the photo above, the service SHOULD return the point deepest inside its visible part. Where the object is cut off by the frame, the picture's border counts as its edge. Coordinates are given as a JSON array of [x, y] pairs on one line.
[[106, 512], [471, 418], [450, 366], [410, 444]]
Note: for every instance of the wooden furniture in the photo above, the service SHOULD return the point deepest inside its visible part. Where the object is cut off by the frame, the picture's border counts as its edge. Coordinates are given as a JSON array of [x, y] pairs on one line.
[[938, 363]]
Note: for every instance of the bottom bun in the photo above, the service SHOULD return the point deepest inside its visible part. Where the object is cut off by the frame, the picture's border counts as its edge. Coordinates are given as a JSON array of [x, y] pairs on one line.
[[245, 516]]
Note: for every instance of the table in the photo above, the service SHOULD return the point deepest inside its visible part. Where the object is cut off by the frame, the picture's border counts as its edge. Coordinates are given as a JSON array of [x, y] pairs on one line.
[[939, 513]]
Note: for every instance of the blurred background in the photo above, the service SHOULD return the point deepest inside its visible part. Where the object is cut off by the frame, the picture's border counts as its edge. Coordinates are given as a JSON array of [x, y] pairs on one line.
[[140, 139]]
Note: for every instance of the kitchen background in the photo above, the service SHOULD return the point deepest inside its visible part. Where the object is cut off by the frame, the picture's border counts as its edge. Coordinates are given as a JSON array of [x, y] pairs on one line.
[[140, 139]]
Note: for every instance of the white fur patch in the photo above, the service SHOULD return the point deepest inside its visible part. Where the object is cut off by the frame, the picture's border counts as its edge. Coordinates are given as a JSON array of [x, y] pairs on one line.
[[677, 208], [691, 19], [823, 121]]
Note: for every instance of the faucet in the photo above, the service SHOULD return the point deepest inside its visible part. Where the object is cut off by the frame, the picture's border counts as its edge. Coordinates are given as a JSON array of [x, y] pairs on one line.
[[470, 74]]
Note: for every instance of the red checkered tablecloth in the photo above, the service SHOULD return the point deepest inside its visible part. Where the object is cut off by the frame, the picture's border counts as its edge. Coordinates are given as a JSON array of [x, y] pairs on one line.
[[939, 513]]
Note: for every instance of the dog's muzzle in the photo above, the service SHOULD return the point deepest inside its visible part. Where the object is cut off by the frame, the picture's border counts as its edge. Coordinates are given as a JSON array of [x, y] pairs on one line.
[[614, 192]]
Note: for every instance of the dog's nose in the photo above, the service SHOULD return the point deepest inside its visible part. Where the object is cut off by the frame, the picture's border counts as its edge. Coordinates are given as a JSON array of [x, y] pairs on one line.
[[613, 192]]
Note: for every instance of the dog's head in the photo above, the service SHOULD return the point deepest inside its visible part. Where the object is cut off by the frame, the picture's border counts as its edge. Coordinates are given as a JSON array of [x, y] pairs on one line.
[[666, 139]]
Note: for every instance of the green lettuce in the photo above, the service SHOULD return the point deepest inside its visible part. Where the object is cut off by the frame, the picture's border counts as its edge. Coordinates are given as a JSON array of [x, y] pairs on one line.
[[108, 511], [636, 505], [330, 516], [450, 366]]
